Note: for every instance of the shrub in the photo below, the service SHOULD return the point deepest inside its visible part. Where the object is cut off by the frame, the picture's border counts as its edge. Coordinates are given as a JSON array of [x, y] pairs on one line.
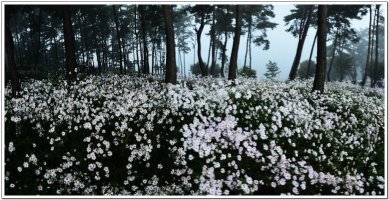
[[124, 135]]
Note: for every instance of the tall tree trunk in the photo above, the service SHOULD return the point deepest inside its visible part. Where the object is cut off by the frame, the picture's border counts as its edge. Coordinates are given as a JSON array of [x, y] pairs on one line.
[[70, 47], [209, 52], [146, 69], [224, 56], [171, 70], [137, 42], [118, 38], [97, 47], [141, 56], [368, 51], [180, 60], [250, 60], [310, 56], [224, 49], [20, 56], [152, 57], [318, 83], [213, 38], [125, 61], [247, 42], [194, 53], [334, 46], [105, 56], [300, 45], [374, 79], [235, 46], [9, 49], [38, 45], [82, 47], [133, 55], [184, 67], [341, 58], [373, 38], [203, 68], [31, 59]]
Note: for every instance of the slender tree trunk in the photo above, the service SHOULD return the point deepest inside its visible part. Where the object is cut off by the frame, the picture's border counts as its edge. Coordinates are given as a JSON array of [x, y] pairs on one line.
[[213, 35], [194, 53], [152, 57], [368, 51], [247, 42], [373, 38], [133, 55], [209, 52], [118, 38], [15, 84], [171, 73], [203, 68], [354, 75], [334, 46], [97, 47], [300, 45], [159, 54], [32, 59], [375, 75], [18, 53], [70, 47], [105, 56], [82, 47], [141, 56], [38, 45], [125, 61], [250, 60], [235, 46], [146, 69], [184, 67], [310, 56], [318, 84], [137, 42], [180, 60], [55, 46], [341, 58], [224, 56]]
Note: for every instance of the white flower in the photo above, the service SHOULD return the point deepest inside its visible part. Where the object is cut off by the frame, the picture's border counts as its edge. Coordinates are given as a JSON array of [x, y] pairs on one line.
[[88, 125], [11, 147], [91, 167], [238, 95], [295, 190]]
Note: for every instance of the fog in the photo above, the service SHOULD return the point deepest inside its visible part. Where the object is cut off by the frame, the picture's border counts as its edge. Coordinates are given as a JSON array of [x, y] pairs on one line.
[[282, 45]]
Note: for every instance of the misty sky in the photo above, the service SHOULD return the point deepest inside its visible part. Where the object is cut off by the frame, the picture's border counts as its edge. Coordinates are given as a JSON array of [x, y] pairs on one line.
[[282, 45]]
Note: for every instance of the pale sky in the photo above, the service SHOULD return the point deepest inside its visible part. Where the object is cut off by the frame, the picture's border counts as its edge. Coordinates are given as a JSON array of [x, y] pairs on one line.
[[282, 45]]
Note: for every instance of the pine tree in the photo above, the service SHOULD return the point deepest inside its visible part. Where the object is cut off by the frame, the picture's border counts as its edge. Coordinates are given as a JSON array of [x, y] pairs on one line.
[[318, 83], [272, 70]]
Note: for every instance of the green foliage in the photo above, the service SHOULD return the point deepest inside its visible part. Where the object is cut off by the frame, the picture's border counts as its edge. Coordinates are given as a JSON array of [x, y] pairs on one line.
[[257, 17], [296, 17], [272, 70], [195, 69], [303, 69], [248, 72], [343, 65], [182, 23]]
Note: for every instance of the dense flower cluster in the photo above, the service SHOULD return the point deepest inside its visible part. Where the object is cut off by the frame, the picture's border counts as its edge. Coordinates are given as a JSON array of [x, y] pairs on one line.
[[116, 135]]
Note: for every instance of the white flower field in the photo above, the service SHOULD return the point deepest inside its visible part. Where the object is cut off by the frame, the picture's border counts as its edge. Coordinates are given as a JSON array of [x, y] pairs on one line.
[[121, 135]]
